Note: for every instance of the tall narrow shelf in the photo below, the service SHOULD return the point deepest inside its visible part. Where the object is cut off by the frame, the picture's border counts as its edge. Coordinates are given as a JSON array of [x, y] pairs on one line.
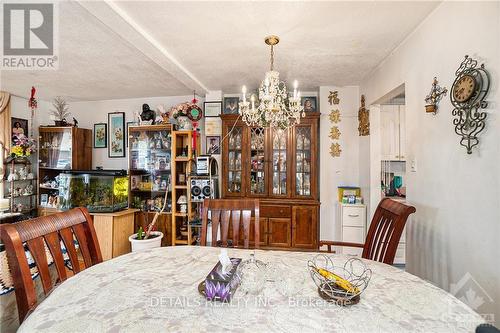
[[21, 198], [182, 159]]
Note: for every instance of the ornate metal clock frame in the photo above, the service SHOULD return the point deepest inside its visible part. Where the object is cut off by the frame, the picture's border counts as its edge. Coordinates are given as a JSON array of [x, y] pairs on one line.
[[467, 96]]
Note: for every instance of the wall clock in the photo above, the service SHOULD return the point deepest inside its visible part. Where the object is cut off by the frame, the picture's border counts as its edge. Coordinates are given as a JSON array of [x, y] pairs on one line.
[[467, 96]]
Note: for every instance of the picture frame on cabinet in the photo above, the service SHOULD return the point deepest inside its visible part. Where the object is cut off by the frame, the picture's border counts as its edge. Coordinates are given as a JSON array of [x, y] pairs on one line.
[[129, 123], [213, 145], [44, 199], [231, 105], [100, 135], [116, 125], [310, 103], [212, 109]]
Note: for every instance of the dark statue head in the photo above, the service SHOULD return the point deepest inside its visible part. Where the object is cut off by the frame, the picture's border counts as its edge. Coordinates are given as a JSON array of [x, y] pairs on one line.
[[147, 114]]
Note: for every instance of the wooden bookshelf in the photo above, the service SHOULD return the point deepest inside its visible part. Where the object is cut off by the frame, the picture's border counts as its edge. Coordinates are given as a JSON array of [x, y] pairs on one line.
[[182, 160]]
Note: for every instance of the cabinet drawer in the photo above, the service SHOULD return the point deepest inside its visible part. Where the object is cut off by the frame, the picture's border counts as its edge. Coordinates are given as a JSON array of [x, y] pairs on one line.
[[275, 211], [353, 234], [353, 216]]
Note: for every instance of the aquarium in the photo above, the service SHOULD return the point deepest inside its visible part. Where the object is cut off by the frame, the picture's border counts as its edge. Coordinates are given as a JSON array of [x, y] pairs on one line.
[[100, 191]]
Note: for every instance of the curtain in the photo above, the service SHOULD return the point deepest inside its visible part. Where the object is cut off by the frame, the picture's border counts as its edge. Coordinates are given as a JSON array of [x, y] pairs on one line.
[[5, 134]]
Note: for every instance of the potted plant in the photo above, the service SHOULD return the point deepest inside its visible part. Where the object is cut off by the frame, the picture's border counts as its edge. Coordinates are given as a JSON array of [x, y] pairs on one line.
[[61, 111], [140, 241], [151, 238]]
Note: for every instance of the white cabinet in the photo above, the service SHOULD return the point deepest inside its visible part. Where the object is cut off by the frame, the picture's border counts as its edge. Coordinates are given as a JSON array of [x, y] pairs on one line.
[[353, 227], [392, 132]]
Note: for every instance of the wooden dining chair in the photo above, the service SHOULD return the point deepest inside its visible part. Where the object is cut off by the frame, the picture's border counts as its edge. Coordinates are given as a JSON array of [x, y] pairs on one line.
[[47, 231], [384, 233], [236, 211]]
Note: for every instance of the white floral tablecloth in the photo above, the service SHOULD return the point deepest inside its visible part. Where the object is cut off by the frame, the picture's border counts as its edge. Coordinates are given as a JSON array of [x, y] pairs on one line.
[[156, 291]]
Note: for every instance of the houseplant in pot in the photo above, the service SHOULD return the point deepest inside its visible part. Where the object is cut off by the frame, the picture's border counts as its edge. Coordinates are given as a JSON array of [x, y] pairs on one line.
[[61, 113], [151, 238], [143, 241]]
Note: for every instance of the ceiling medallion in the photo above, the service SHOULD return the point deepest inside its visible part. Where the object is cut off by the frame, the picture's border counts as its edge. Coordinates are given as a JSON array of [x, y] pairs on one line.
[[274, 107]]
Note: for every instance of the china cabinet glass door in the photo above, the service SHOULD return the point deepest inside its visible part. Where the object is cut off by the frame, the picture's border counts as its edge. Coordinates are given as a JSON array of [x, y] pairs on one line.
[[55, 148], [279, 162], [149, 166], [303, 153], [257, 162], [235, 165]]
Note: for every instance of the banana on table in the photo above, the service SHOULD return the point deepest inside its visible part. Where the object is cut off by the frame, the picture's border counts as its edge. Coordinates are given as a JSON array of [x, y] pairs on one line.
[[339, 281]]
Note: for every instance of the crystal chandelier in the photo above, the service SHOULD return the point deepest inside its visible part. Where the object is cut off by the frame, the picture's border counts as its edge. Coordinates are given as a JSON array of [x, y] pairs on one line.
[[275, 108]]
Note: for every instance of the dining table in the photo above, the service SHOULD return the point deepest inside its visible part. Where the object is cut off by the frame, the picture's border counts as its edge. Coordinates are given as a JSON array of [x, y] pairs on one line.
[[157, 290]]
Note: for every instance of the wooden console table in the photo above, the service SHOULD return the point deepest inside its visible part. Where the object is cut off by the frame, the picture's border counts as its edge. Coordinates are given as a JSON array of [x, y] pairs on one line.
[[113, 230]]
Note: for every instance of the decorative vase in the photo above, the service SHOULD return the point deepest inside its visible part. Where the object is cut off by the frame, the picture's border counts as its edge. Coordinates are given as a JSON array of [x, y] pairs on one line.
[[145, 244]]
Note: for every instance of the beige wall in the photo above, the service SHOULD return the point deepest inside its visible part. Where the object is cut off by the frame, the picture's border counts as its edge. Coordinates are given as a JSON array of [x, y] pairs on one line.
[[454, 235]]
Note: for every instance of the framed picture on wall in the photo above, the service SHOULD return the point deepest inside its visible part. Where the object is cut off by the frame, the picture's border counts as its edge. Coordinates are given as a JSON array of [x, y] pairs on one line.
[[231, 105], [129, 123], [116, 135], [100, 135], [310, 103], [19, 128], [212, 109], [213, 145]]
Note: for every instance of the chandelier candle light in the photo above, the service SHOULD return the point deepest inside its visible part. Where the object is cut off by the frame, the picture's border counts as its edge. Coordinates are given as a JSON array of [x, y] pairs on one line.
[[275, 108]]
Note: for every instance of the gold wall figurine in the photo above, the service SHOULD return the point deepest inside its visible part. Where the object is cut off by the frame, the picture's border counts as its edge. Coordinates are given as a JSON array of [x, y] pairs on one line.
[[363, 119], [432, 100], [334, 133], [335, 116], [335, 150], [333, 98]]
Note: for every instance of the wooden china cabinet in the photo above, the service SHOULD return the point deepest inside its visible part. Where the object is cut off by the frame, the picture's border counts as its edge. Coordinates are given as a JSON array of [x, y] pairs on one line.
[[280, 167]]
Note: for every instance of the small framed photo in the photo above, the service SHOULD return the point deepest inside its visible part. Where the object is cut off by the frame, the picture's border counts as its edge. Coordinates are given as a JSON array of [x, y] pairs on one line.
[[129, 123], [213, 145], [100, 135], [19, 128], [135, 180], [116, 125], [212, 109], [309, 103], [44, 200], [231, 105]]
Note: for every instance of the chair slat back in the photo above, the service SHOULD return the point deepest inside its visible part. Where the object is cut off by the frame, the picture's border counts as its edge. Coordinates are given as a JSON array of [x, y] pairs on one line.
[[385, 230], [39, 234], [230, 212]]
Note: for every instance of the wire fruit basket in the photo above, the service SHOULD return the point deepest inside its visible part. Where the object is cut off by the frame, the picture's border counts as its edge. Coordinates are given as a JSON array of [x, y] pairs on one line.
[[340, 284]]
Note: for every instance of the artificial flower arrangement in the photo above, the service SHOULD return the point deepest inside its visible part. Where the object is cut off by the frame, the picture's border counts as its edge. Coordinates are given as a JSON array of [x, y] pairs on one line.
[[186, 109], [23, 146], [185, 114]]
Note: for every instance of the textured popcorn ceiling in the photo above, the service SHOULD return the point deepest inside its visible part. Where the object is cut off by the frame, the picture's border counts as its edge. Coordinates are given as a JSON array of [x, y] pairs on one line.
[[139, 49]]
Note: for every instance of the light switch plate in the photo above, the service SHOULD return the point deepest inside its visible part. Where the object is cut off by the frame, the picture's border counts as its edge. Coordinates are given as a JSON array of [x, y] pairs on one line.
[[413, 164]]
